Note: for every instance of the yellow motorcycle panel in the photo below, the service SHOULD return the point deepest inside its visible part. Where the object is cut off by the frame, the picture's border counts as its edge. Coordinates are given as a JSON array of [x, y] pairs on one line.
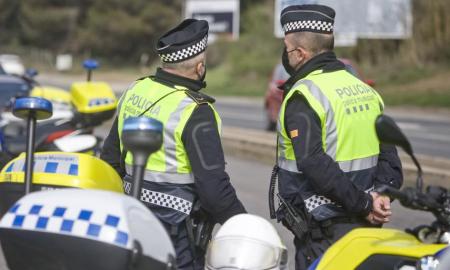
[[65, 170], [358, 245]]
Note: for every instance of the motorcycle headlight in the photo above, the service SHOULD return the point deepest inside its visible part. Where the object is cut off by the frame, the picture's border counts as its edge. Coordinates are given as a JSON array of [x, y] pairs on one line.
[[428, 263]]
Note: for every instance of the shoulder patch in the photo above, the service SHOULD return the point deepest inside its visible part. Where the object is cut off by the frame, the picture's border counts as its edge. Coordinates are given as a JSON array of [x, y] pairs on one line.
[[199, 98]]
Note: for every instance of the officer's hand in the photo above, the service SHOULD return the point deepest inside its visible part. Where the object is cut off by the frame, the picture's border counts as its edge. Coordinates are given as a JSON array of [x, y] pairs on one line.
[[381, 209], [371, 219]]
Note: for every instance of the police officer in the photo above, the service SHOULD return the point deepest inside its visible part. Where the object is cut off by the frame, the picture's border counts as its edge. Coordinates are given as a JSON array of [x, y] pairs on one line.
[[190, 166], [328, 156]]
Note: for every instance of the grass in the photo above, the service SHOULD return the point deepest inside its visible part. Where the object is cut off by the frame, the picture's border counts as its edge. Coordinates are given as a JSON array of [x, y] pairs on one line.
[[421, 87], [221, 83]]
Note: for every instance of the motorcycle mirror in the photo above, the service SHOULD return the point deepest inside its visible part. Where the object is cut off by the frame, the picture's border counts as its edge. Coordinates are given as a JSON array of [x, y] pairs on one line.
[[32, 109], [31, 72], [90, 65], [141, 136], [389, 133]]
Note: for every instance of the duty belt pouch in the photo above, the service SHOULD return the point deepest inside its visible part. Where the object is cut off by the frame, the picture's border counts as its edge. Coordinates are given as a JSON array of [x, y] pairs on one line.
[[201, 226], [295, 221]]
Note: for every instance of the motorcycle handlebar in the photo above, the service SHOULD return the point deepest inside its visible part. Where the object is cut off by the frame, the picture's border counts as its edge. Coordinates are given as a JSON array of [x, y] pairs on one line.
[[412, 198], [394, 193]]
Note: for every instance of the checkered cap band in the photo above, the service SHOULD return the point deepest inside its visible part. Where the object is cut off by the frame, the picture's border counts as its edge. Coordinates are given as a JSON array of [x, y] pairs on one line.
[[315, 201], [320, 26], [84, 223], [185, 53], [166, 200]]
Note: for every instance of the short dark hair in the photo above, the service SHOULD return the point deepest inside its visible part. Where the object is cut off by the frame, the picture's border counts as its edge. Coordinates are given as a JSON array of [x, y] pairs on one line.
[[314, 42]]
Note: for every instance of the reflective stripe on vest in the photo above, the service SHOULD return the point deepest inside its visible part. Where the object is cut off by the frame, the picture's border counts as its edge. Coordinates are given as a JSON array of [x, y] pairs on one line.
[[164, 177], [169, 143], [346, 166], [331, 130]]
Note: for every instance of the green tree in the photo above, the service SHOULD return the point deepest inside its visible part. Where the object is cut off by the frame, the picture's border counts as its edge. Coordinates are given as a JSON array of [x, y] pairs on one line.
[[123, 30]]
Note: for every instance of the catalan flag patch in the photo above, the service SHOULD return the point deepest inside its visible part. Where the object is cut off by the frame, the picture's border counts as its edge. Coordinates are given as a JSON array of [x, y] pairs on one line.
[[293, 133]]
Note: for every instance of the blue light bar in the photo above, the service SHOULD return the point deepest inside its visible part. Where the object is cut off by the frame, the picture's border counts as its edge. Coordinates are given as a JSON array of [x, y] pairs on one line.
[[142, 124], [40, 107]]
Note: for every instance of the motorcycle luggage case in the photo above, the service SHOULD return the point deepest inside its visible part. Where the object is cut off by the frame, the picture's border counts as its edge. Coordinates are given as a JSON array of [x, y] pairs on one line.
[[55, 170], [94, 102], [57, 96]]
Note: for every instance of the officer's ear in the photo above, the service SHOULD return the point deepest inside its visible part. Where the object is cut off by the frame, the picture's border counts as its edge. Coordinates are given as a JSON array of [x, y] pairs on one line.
[[199, 68], [301, 54]]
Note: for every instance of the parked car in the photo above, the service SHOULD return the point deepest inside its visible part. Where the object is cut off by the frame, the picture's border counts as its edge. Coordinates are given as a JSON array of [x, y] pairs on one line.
[[274, 96], [12, 64]]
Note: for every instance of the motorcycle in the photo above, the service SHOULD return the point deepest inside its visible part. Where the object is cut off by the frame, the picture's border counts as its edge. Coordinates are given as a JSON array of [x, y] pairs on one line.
[[380, 248], [87, 106], [78, 229]]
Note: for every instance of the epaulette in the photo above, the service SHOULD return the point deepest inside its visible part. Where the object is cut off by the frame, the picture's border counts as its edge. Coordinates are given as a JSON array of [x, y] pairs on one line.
[[200, 98], [145, 77]]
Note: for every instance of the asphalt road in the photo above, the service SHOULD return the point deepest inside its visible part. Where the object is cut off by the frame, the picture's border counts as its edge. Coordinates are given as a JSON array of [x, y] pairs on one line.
[[429, 133]]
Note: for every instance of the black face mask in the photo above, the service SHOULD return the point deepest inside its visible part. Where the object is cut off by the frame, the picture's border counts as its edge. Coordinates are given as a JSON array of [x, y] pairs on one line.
[[285, 61]]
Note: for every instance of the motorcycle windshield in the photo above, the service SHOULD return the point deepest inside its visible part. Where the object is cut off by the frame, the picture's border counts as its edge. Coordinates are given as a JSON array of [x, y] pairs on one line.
[[245, 254]]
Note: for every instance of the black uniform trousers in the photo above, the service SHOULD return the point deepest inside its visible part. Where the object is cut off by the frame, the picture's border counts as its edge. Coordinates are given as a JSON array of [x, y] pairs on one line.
[[186, 260]]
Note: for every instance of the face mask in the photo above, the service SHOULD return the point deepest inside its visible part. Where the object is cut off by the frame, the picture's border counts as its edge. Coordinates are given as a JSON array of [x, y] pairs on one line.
[[285, 61]]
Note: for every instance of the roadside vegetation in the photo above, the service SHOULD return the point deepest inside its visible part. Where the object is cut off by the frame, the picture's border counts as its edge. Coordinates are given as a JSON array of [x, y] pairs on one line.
[[121, 34]]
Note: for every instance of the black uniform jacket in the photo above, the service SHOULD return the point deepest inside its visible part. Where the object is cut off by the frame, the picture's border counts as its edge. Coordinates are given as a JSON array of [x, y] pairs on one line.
[[326, 176], [201, 140]]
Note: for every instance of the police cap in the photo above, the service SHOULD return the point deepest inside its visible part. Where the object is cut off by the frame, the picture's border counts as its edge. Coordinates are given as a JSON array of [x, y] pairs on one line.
[[183, 42], [307, 18]]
